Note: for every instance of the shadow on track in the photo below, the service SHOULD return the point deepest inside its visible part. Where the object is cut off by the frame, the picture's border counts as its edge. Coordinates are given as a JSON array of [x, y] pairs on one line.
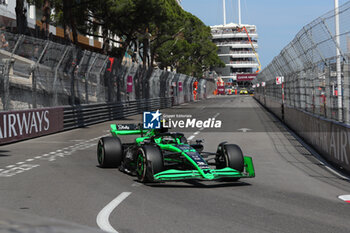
[[196, 184], [4, 153]]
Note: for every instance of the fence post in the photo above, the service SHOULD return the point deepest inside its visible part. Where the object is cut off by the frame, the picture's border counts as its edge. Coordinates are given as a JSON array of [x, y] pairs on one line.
[[34, 92], [19, 41], [33, 67], [55, 99], [302, 90], [6, 82], [75, 74], [346, 93], [87, 79], [328, 103], [98, 82]]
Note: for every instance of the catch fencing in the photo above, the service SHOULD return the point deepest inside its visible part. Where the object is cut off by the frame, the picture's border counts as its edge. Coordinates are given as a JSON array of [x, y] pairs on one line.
[[300, 86], [39, 73], [308, 65]]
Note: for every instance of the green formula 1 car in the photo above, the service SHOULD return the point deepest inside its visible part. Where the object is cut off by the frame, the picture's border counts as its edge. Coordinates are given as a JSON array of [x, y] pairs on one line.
[[158, 155]]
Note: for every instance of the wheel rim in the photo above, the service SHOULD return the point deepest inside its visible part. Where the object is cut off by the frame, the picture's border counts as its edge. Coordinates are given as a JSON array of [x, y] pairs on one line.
[[140, 169]]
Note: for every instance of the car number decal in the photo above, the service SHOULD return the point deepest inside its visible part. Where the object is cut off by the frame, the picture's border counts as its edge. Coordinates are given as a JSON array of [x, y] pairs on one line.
[[198, 160]]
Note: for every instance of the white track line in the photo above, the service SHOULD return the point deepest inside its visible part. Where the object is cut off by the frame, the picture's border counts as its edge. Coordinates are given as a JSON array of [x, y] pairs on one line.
[[136, 184], [102, 219], [196, 133], [216, 115], [59, 153]]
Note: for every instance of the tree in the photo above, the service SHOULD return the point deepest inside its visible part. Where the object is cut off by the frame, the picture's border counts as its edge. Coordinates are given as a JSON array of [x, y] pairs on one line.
[[133, 22], [21, 17], [167, 29], [66, 14], [45, 6], [46, 13], [159, 30], [100, 14], [191, 53]]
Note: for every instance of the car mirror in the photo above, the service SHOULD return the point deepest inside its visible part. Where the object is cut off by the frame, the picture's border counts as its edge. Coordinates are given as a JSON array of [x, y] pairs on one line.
[[199, 141]]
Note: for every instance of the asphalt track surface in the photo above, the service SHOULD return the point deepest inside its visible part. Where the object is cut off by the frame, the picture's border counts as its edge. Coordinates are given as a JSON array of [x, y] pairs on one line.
[[57, 176]]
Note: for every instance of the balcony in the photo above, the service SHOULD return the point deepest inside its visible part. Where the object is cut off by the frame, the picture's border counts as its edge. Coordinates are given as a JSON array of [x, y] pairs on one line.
[[243, 64], [234, 35], [232, 30], [238, 54], [237, 44]]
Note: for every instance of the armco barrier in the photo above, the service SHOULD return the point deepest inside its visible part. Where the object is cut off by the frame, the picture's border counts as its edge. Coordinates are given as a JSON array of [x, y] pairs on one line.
[[330, 138], [84, 115], [26, 124]]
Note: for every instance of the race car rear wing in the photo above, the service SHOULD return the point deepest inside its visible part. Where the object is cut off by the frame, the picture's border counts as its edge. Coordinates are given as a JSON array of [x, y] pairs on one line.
[[127, 129]]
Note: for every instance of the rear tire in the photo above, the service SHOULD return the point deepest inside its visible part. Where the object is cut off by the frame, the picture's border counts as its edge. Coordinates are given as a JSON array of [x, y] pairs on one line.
[[109, 152], [149, 162]]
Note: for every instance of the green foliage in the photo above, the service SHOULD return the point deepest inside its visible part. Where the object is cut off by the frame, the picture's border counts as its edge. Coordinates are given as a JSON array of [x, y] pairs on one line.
[[192, 52], [174, 37]]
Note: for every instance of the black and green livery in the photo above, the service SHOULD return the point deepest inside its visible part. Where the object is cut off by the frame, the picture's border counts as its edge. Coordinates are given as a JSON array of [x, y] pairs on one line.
[[159, 155]]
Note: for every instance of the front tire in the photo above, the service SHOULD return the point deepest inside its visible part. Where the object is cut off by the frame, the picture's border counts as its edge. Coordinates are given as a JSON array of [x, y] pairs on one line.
[[109, 152], [230, 155], [149, 162]]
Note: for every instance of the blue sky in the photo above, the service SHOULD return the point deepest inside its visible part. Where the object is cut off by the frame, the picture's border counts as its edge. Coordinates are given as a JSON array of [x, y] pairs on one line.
[[277, 21]]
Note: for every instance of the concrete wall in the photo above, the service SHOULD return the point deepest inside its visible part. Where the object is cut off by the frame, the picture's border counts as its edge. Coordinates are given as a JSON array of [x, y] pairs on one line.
[[330, 138]]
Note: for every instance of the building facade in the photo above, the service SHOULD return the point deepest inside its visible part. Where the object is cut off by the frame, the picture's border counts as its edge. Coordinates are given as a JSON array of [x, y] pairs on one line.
[[238, 51], [8, 14]]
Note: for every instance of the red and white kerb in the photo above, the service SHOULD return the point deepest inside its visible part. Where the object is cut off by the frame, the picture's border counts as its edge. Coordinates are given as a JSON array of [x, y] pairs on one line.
[[345, 198]]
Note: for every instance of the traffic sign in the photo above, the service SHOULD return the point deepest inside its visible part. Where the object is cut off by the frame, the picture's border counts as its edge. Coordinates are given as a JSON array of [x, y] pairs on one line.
[[279, 80]]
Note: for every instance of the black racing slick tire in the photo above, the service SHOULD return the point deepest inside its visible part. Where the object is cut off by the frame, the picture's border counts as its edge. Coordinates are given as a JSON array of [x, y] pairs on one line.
[[109, 152], [149, 162], [230, 155]]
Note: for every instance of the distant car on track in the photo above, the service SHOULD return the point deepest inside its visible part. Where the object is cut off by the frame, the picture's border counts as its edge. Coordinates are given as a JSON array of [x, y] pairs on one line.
[[159, 155], [243, 91]]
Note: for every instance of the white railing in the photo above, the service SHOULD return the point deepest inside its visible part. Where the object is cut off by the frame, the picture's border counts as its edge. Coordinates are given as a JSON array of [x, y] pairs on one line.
[[231, 31], [243, 62], [235, 42]]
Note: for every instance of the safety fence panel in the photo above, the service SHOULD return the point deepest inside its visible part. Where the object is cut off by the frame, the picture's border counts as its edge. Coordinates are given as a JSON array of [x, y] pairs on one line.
[[202, 89], [308, 65], [313, 98], [40, 73]]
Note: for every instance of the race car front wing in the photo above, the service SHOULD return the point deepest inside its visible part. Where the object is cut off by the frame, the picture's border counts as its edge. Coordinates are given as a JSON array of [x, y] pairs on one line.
[[208, 174]]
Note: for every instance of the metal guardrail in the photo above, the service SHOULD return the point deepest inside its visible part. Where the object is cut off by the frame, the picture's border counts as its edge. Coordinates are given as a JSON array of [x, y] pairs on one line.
[[85, 115], [57, 119]]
